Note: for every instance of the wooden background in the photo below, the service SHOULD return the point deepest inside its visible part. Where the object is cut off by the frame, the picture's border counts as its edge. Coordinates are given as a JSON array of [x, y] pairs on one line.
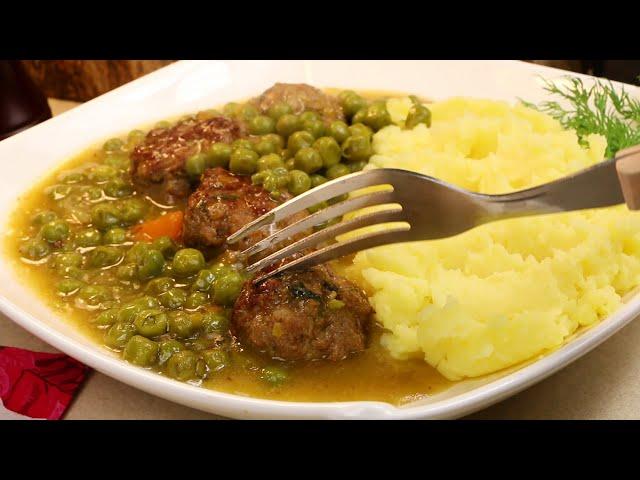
[[82, 80]]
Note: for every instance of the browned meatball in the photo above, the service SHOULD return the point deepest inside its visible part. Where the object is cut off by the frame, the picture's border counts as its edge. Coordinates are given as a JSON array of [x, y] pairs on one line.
[[159, 160], [221, 205], [307, 315], [301, 97]]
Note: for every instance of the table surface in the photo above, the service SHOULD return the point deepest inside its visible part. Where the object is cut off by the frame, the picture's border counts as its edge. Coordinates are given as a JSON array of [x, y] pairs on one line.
[[601, 385]]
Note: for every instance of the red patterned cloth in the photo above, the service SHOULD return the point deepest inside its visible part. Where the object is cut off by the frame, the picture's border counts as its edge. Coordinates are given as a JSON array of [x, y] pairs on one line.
[[38, 385]]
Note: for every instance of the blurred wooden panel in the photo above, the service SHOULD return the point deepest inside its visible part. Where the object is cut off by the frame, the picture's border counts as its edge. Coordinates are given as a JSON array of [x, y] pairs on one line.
[[571, 65], [82, 80]]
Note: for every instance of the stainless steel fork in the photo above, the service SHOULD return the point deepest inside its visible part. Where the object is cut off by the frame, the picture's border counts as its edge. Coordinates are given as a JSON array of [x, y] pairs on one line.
[[427, 208]]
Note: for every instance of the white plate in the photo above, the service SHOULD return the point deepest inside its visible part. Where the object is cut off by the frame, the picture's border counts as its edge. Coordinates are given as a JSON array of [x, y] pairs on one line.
[[190, 86]]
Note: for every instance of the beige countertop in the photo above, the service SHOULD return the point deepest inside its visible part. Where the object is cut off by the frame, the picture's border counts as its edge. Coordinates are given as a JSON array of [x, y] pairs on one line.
[[604, 384]]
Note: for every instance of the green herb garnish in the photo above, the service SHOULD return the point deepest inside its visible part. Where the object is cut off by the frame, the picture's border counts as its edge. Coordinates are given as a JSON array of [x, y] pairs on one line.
[[597, 109]]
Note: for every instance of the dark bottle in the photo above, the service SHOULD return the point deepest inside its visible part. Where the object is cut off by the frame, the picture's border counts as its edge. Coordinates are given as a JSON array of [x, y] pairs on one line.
[[22, 104]]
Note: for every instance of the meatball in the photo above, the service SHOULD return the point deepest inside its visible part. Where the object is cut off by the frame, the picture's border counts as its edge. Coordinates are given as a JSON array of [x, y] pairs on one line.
[[159, 160], [222, 204], [304, 315], [301, 97]]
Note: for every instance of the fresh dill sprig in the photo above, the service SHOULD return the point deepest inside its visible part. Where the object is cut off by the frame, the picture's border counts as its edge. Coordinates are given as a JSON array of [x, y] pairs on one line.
[[598, 109]]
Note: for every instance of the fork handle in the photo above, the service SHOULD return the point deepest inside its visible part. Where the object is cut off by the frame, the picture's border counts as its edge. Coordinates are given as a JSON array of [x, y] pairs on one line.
[[628, 169]]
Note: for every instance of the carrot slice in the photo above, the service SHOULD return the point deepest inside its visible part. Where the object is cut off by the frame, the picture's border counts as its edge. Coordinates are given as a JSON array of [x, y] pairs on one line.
[[168, 225]]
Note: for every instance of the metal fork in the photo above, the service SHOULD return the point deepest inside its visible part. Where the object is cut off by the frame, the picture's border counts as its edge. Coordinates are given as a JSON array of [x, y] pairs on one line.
[[428, 209]]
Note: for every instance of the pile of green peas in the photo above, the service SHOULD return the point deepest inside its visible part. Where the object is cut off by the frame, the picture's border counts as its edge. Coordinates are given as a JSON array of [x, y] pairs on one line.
[[293, 152]]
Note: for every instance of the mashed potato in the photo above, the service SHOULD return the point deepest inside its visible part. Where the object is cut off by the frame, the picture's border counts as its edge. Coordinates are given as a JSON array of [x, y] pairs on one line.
[[507, 291]]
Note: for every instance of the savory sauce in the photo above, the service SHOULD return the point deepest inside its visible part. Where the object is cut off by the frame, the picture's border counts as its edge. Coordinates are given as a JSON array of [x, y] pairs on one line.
[[369, 375]]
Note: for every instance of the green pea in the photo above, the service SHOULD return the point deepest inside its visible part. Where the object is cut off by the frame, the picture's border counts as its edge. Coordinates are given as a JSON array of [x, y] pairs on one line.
[[360, 129], [215, 322], [180, 325], [274, 375], [277, 110], [261, 125], [159, 285], [268, 162], [102, 173], [69, 286], [417, 114], [104, 256], [118, 161], [227, 288], [274, 138], [314, 127], [377, 116], [135, 137], [167, 349], [299, 140], [288, 124], [260, 177], [113, 145], [132, 210], [94, 295], [55, 231], [114, 236], [151, 323], [231, 109], [119, 334], [329, 150], [219, 155], [164, 245], [118, 188], [136, 252], [72, 177], [352, 103], [195, 165], [106, 317], [357, 166], [337, 171], [141, 351], [338, 130], [89, 237], [275, 179], [196, 299], [188, 261], [241, 143], [215, 359], [146, 301], [93, 194], [299, 182], [243, 161], [360, 116], [43, 217], [203, 281], [317, 179], [265, 147], [68, 259], [247, 112], [173, 298], [290, 164], [309, 116], [183, 366], [150, 265], [105, 215], [308, 160], [127, 272], [357, 148], [34, 249]]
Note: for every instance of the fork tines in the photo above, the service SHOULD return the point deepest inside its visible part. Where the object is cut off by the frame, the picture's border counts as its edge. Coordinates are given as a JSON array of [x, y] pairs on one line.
[[322, 193]]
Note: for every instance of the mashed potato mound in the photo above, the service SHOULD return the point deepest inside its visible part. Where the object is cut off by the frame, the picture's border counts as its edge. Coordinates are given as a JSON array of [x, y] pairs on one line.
[[507, 291]]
